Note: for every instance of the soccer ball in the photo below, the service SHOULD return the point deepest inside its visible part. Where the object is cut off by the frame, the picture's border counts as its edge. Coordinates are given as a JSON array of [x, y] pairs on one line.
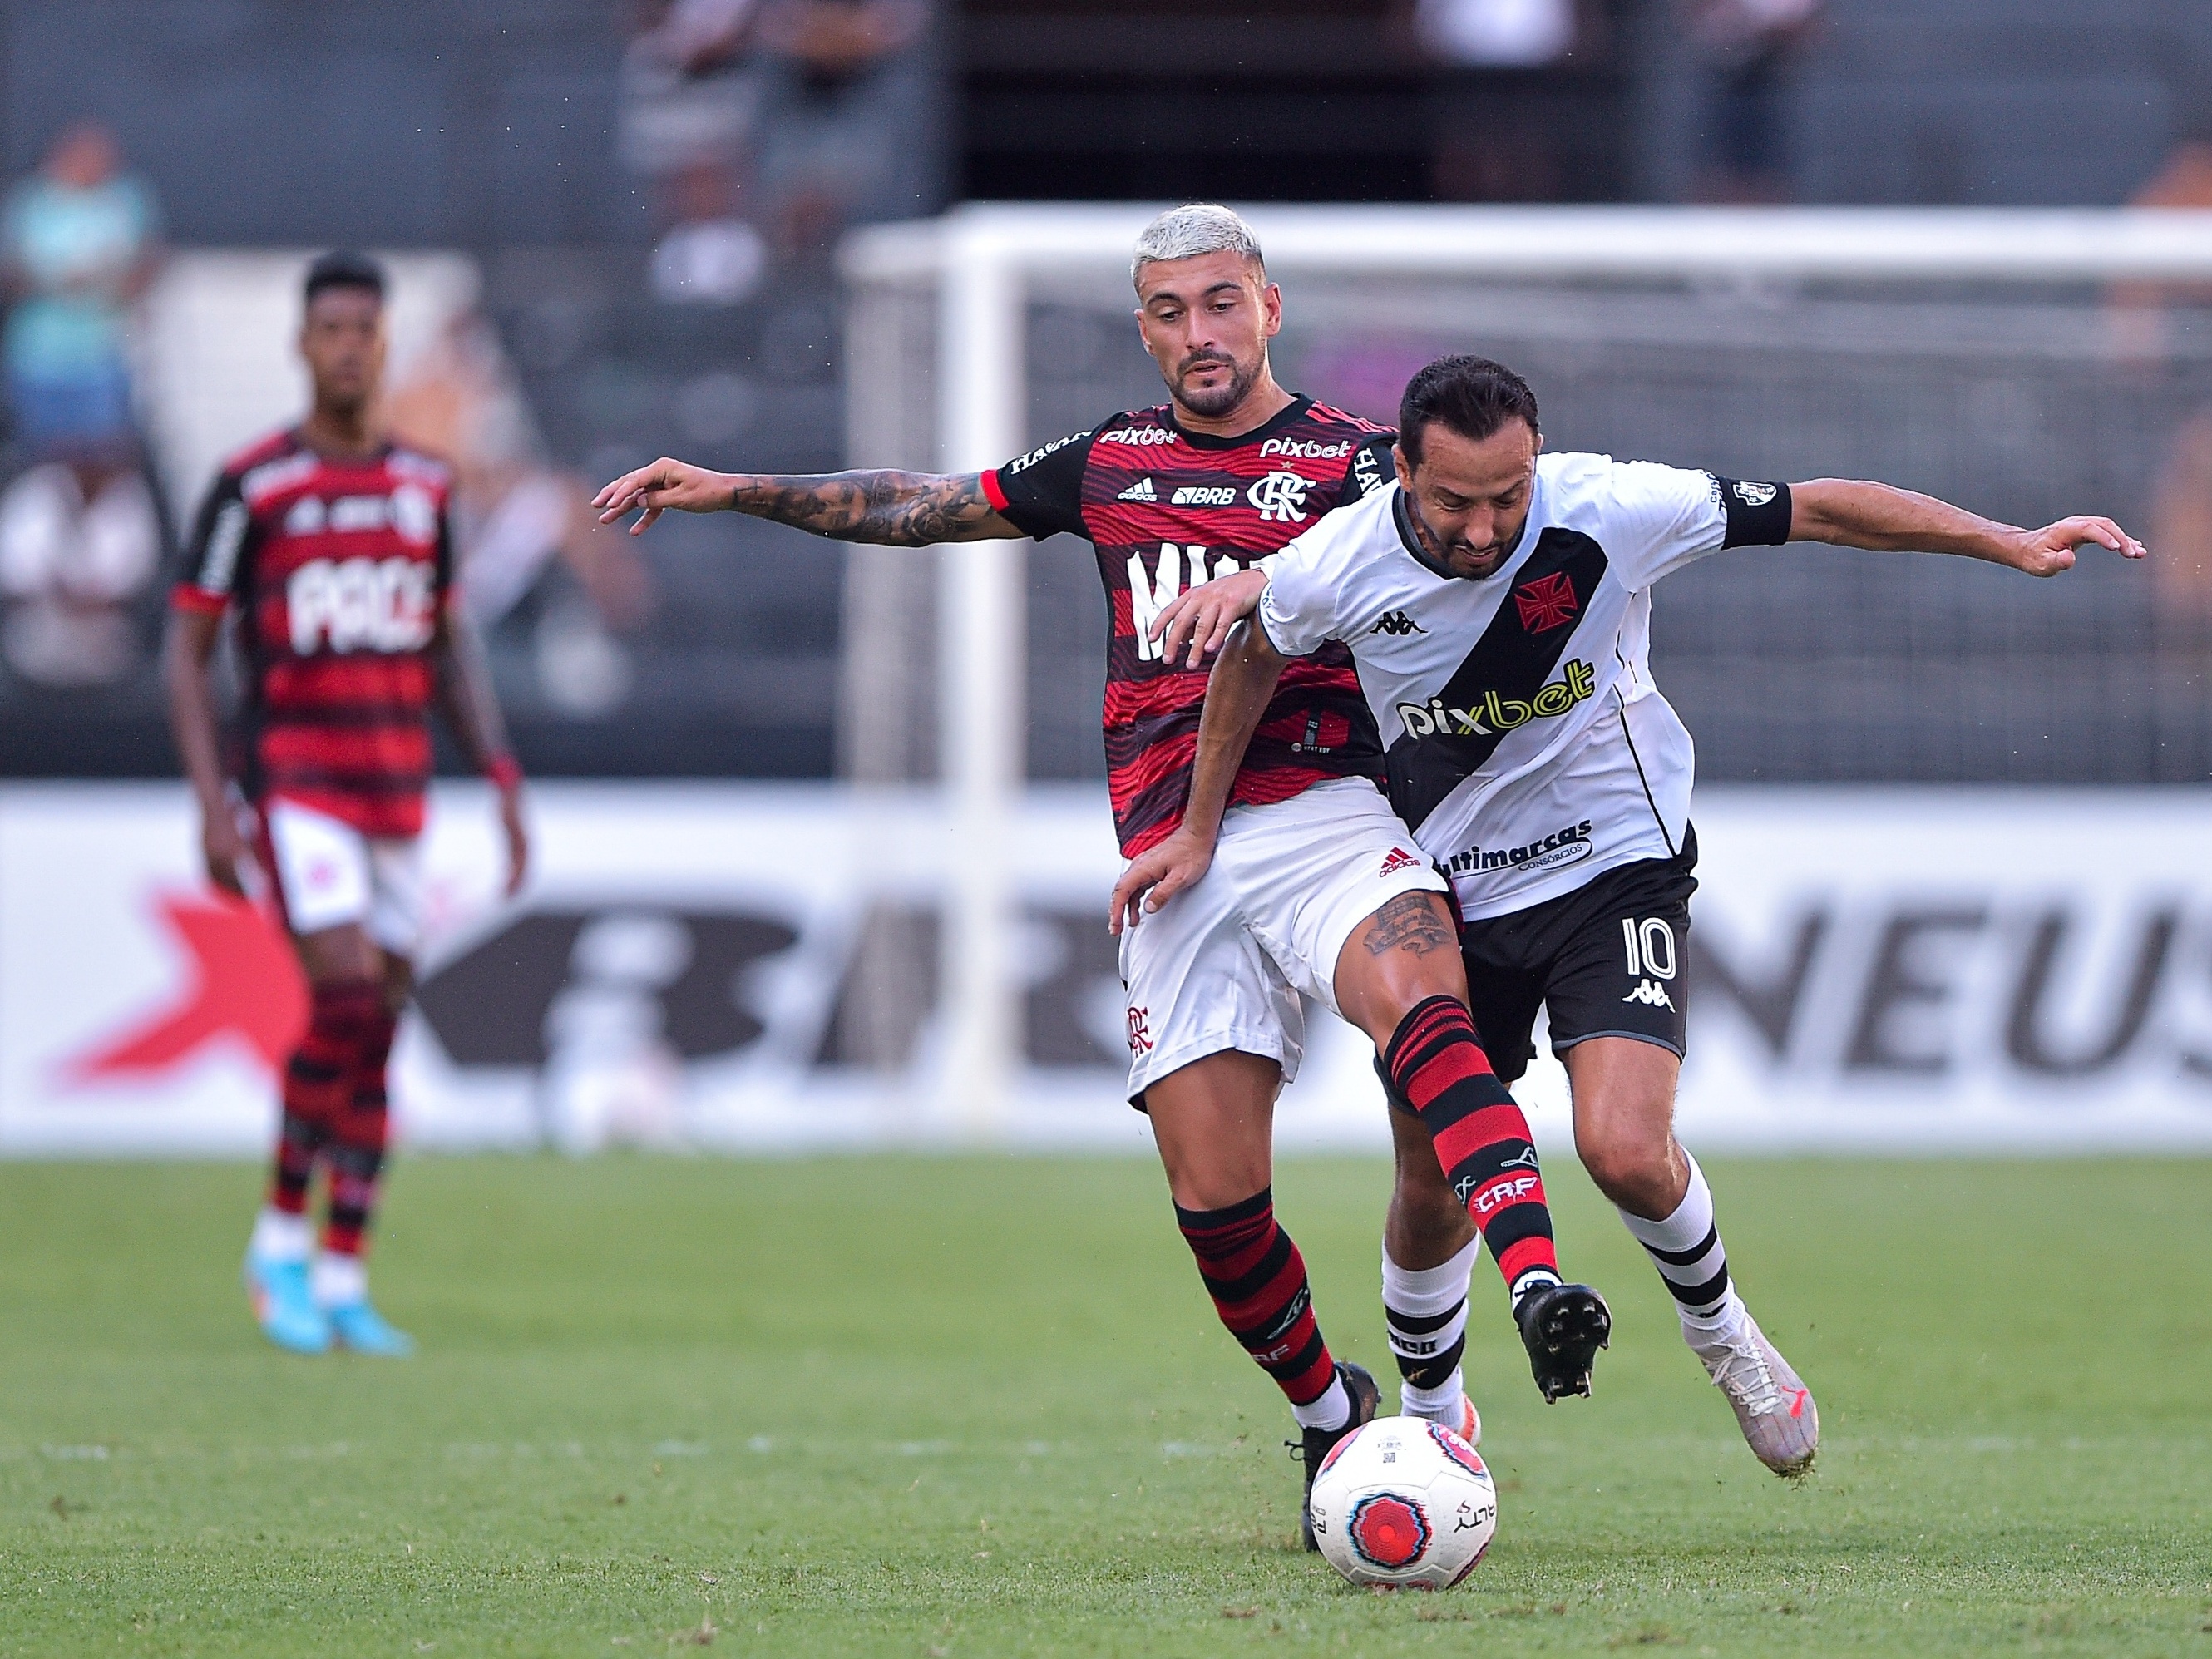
[[1404, 1502]]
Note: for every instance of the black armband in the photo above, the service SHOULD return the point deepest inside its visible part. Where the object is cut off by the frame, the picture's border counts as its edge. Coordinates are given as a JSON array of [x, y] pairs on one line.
[[1758, 514]]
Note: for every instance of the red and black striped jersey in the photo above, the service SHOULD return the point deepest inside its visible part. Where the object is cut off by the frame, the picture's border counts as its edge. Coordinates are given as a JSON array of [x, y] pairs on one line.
[[1168, 509], [338, 569]]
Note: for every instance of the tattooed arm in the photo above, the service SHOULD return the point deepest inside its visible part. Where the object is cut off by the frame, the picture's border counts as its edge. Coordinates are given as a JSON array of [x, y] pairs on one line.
[[901, 509]]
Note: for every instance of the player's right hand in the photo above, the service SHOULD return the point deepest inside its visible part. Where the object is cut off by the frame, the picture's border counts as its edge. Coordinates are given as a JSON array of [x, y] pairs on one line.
[[1156, 875], [224, 850], [665, 484], [1197, 621]]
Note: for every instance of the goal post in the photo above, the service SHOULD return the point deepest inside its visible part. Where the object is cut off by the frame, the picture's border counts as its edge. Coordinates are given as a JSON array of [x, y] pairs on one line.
[[1765, 317]]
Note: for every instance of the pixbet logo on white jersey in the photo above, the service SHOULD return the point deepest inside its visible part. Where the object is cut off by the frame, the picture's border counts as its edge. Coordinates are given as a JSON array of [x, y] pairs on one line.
[[1150, 595], [360, 604]]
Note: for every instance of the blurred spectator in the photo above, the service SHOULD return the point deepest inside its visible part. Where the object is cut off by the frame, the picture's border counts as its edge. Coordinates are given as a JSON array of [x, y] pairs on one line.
[[515, 516], [769, 126], [838, 144], [691, 96], [79, 536], [1494, 33], [1505, 85], [1745, 50]]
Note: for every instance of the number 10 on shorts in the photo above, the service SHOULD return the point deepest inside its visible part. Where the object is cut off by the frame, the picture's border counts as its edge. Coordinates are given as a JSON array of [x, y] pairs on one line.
[[1651, 945]]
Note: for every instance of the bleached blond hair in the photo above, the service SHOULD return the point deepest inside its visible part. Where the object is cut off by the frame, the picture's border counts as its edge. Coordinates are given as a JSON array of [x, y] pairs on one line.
[[1192, 230]]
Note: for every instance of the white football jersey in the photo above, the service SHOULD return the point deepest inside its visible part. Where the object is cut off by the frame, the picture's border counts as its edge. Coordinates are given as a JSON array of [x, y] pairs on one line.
[[1526, 744]]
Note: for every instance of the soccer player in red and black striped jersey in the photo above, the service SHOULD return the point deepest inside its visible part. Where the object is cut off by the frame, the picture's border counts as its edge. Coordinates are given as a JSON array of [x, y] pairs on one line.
[[1322, 894], [330, 549]]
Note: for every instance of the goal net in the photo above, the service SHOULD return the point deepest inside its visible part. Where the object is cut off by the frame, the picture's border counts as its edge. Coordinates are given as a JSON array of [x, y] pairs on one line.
[[2025, 364]]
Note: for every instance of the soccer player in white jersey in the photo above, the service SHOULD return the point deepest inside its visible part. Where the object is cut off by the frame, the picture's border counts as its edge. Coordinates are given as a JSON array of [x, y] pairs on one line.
[[1497, 603]]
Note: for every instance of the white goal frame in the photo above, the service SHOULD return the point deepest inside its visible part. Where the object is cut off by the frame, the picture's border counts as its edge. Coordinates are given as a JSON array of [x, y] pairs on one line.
[[980, 263]]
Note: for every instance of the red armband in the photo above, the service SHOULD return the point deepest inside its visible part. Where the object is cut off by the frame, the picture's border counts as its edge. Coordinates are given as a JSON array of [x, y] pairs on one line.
[[505, 772]]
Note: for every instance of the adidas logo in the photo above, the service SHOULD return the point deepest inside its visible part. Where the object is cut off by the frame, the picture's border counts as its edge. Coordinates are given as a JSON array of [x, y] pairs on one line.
[[1139, 491], [1651, 995], [1400, 858], [1396, 623]]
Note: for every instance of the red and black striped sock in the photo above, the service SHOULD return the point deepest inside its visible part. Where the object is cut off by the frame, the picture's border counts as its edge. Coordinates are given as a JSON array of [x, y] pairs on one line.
[[319, 1083], [356, 1150], [1257, 1279], [1435, 1065]]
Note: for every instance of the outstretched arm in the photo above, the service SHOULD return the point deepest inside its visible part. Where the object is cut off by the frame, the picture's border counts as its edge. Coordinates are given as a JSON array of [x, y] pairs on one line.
[[1236, 695], [900, 509], [471, 711], [1846, 513]]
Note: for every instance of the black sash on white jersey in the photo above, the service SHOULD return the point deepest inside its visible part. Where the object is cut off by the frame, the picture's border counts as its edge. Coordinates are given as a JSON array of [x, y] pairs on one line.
[[1509, 660]]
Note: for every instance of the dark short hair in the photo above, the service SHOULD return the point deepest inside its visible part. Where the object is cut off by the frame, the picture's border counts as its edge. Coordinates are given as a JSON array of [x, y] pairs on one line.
[[1472, 396], [343, 269]]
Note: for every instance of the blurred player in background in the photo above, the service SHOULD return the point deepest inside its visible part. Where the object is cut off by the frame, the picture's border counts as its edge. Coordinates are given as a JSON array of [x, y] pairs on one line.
[[1497, 602], [331, 548], [1222, 475]]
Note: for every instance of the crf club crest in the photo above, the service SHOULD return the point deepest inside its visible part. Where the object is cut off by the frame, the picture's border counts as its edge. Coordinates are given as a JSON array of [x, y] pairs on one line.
[[1515, 656], [1547, 602]]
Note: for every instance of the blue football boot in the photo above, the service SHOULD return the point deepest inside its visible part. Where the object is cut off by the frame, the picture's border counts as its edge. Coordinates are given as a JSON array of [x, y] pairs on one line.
[[282, 1307], [359, 1328]]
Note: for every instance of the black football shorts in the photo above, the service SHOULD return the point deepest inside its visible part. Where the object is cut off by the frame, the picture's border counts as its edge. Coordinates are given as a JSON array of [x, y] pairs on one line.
[[1605, 960]]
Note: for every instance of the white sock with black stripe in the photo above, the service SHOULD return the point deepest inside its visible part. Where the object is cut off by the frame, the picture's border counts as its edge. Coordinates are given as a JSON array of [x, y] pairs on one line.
[[1425, 1316], [1687, 1250]]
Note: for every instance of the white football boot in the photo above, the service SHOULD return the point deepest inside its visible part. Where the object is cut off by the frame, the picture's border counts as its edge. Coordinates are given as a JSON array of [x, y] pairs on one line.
[[1773, 1404]]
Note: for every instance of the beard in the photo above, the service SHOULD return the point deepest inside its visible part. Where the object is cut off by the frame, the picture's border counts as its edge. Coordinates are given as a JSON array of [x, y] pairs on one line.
[[1222, 399], [1459, 550]]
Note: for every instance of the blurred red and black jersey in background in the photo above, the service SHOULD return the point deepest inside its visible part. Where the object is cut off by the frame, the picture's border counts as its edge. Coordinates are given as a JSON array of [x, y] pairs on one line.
[[337, 568], [1169, 509]]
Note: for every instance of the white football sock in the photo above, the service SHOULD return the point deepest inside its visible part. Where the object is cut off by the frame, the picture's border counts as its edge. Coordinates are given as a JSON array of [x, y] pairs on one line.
[[337, 1281], [1329, 1409], [1425, 1316], [1686, 1246], [280, 1236]]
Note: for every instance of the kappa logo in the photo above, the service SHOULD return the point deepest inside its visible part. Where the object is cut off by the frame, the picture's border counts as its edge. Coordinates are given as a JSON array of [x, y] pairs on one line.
[[1547, 602], [1142, 490], [1205, 495], [1281, 497], [1755, 494], [1397, 624], [1400, 858], [1651, 994]]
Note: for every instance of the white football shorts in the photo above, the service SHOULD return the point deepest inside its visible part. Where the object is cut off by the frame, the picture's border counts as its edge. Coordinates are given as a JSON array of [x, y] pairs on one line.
[[329, 874], [1225, 963]]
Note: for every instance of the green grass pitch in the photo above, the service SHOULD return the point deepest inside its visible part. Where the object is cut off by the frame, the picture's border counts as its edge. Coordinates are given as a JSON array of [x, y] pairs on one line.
[[979, 1406]]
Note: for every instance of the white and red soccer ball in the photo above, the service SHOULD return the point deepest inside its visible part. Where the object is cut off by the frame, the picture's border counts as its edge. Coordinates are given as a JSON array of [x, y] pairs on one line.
[[1404, 1502]]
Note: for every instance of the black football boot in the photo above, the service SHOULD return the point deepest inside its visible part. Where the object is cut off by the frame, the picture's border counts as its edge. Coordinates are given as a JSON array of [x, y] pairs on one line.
[[1314, 1448], [1563, 1327]]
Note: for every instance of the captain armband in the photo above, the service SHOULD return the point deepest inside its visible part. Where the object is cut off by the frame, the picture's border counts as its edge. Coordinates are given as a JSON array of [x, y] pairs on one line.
[[1758, 514]]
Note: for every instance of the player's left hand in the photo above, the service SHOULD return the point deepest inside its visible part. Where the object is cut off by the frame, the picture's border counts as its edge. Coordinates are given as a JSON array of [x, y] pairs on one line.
[[1156, 876], [2047, 551], [518, 837], [1196, 622]]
